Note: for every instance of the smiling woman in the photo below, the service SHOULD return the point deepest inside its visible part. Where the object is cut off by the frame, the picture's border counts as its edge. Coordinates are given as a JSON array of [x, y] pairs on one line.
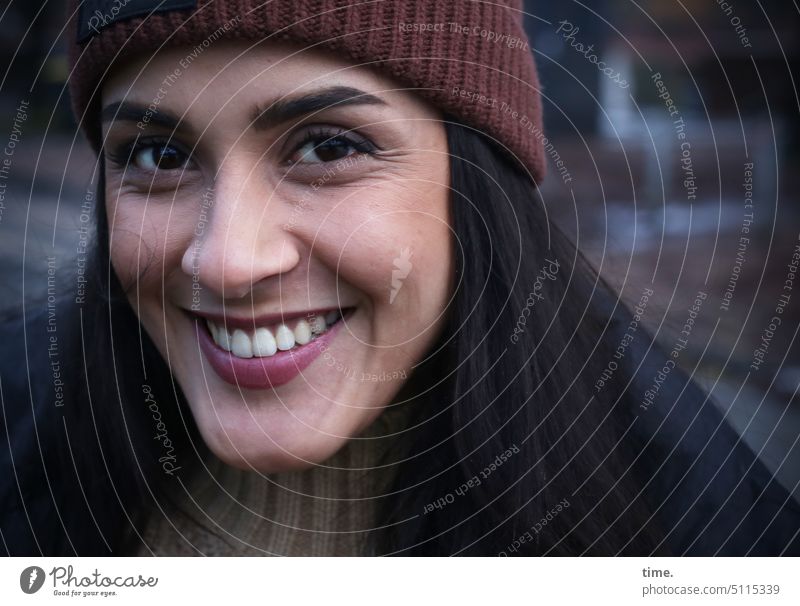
[[328, 313], [271, 299]]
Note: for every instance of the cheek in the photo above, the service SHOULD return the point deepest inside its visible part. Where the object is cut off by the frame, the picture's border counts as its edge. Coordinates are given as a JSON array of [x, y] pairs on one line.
[[393, 244], [408, 257], [145, 243]]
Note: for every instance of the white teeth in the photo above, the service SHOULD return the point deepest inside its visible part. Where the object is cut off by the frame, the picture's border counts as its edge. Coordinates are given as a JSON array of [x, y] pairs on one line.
[[241, 346], [318, 325], [264, 343], [223, 338], [302, 332], [284, 337]]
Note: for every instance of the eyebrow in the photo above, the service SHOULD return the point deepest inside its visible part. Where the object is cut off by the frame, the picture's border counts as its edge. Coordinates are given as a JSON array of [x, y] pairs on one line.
[[286, 109], [280, 110], [126, 111]]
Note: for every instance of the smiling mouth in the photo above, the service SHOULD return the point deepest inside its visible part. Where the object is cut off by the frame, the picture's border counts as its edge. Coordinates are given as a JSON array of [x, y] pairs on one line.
[[265, 341]]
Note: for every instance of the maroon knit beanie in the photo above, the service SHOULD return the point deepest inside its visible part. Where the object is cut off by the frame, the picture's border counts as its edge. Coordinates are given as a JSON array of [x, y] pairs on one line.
[[470, 58]]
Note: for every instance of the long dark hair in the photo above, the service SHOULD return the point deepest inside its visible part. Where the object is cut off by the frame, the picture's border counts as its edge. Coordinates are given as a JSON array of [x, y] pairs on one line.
[[513, 451], [518, 453]]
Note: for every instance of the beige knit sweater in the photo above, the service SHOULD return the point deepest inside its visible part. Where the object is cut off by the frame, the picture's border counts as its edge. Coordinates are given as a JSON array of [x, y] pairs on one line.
[[321, 511]]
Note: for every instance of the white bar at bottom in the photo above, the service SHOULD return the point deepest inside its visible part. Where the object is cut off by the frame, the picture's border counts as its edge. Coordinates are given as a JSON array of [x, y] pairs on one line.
[[401, 581]]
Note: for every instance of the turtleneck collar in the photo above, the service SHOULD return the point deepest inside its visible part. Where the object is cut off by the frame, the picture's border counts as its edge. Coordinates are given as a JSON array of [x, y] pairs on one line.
[[325, 510]]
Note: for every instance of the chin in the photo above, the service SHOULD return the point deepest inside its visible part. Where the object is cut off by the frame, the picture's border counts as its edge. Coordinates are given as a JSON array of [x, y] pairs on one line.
[[253, 448]]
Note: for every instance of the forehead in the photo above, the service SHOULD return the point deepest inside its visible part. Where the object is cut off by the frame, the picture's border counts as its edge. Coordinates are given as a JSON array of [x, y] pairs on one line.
[[230, 70]]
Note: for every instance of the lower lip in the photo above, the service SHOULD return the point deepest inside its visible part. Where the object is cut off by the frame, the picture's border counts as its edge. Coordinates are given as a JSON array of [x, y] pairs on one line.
[[266, 372]]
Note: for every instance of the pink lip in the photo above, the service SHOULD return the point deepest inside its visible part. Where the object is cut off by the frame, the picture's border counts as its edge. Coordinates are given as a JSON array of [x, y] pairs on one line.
[[262, 373]]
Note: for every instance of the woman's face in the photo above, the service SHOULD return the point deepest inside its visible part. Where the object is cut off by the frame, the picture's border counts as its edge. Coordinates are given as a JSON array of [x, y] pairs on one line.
[[280, 222]]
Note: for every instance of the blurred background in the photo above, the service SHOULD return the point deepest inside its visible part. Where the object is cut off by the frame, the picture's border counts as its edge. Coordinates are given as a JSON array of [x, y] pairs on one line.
[[730, 68]]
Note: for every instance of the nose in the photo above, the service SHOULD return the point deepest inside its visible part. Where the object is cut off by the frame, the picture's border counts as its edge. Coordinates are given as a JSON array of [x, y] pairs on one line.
[[239, 240]]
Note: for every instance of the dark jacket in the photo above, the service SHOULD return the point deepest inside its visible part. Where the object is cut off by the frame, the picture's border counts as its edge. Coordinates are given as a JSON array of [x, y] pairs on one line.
[[55, 498], [711, 493]]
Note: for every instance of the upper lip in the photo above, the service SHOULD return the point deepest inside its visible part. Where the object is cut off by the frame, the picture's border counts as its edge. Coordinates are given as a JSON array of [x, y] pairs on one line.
[[230, 320]]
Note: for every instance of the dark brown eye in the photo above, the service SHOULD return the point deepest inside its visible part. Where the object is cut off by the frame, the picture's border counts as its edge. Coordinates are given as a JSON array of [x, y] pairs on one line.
[[159, 157], [327, 151], [326, 146]]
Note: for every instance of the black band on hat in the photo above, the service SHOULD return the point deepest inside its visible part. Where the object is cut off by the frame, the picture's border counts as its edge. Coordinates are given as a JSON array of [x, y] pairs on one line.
[[94, 15]]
